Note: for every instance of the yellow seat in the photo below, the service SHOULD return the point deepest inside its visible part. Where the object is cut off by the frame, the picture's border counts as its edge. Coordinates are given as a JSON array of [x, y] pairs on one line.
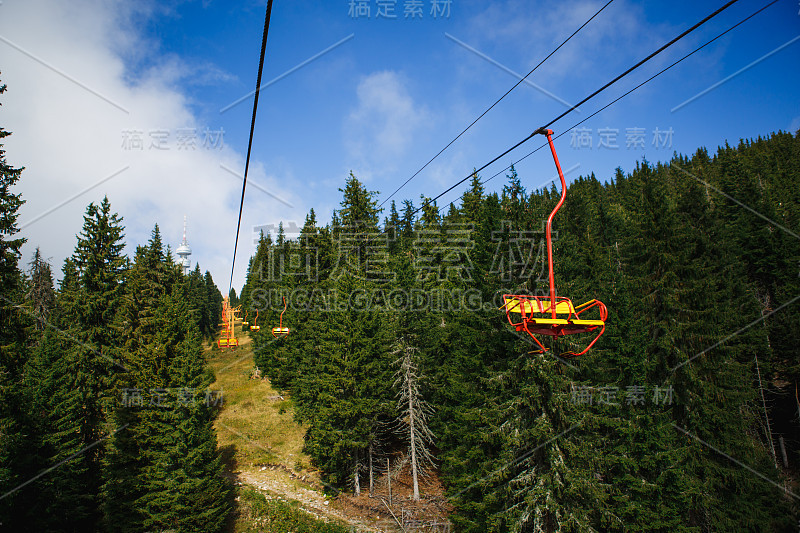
[[535, 305], [280, 332], [553, 321], [580, 322], [533, 315], [562, 308]]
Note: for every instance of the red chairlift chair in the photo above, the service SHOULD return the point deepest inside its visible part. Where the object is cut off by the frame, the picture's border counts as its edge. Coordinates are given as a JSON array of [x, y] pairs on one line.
[[555, 316]]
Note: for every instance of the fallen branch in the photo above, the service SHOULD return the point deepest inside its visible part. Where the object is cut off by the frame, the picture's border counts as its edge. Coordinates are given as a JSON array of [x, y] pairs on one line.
[[393, 516]]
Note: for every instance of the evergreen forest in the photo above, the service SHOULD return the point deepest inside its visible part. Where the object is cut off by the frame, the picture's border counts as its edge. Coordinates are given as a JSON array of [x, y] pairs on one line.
[[105, 409], [683, 417]]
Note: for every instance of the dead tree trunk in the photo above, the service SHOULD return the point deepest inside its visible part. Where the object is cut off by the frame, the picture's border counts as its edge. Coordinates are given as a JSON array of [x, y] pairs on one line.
[[413, 440], [371, 480], [766, 417], [389, 478], [356, 480], [783, 452], [414, 412], [765, 308]]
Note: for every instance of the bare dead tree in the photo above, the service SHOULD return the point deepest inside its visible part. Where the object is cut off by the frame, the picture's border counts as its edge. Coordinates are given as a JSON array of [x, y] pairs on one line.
[[376, 449], [371, 479], [766, 307], [41, 295], [357, 466], [414, 412]]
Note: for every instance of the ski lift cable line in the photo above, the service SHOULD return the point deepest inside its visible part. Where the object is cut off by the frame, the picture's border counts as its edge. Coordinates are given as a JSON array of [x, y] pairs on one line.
[[640, 63], [595, 93], [522, 79], [250, 141], [637, 87]]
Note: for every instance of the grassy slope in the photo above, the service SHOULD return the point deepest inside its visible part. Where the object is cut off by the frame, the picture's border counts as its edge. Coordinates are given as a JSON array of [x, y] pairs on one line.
[[278, 491], [255, 424]]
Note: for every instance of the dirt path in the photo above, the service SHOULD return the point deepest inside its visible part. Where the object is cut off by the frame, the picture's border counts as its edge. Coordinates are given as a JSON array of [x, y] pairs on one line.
[[274, 485]]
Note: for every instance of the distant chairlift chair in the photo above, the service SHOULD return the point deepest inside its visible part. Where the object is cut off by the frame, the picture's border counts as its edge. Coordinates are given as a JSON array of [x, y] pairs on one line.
[[280, 331], [255, 326]]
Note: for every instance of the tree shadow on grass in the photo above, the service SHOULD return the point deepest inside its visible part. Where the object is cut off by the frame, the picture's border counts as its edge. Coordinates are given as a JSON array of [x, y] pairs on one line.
[[227, 455]]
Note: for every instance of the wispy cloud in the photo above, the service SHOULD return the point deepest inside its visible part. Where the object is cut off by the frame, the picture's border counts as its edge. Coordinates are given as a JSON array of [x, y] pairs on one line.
[[382, 126], [613, 39], [70, 140], [730, 77]]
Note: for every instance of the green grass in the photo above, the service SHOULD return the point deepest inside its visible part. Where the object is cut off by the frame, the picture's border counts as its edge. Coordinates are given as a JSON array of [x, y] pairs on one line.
[[254, 427], [258, 514]]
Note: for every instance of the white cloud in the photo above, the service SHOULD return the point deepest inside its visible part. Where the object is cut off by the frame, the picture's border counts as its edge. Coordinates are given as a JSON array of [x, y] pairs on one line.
[[383, 126], [68, 138], [794, 125], [612, 41]]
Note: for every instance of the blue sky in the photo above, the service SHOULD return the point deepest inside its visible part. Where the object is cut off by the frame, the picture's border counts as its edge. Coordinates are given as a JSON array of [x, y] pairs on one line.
[[89, 78]]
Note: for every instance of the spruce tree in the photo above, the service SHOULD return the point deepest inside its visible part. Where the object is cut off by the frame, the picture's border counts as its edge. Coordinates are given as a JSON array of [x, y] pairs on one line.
[[15, 467], [63, 500], [213, 302], [195, 286], [163, 472], [41, 294], [89, 299]]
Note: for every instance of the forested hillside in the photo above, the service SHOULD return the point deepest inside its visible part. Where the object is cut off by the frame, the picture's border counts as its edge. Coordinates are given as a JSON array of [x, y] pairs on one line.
[[683, 417], [105, 418]]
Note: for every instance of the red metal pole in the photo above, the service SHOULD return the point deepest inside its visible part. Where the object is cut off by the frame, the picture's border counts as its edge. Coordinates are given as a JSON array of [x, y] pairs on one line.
[[549, 134]]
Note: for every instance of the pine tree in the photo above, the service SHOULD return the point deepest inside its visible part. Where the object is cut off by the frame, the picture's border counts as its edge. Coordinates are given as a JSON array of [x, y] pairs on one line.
[[15, 464], [196, 288], [336, 363], [407, 224], [41, 294], [89, 305], [163, 471], [347, 390], [232, 298], [63, 501], [213, 302]]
